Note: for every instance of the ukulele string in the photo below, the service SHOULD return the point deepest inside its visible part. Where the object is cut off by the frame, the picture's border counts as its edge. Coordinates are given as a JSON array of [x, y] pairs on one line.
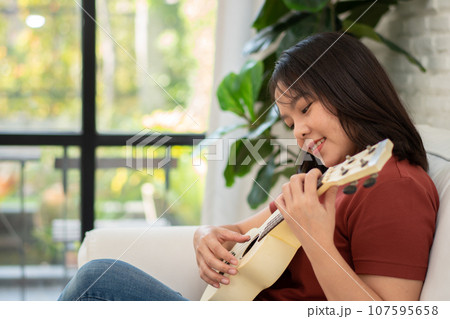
[[271, 224], [278, 218]]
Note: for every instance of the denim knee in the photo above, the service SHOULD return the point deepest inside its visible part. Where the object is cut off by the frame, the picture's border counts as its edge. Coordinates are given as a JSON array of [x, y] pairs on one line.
[[115, 280], [85, 278]]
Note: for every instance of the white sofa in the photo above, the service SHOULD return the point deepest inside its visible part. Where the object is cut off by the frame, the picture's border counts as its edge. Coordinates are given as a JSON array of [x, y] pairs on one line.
[[167, 252]]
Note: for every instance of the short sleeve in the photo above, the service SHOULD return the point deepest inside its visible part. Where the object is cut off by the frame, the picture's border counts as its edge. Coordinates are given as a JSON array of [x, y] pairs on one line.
[[272, 207], [392, 230]]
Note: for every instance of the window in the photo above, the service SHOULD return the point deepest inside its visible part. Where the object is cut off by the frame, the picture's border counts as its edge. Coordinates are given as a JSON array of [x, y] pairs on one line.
[[70, 99], [155, 61], [40, 66]]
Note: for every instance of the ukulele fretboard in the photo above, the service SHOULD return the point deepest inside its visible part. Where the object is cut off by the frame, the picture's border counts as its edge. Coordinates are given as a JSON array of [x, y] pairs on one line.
[[272, 223], [277, 218]]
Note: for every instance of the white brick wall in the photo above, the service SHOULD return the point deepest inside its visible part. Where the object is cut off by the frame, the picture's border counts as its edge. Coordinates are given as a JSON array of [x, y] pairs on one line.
[[422, 27]]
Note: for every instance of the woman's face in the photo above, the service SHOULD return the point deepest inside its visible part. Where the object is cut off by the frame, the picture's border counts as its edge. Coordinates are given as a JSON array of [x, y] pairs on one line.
[[317, 130]]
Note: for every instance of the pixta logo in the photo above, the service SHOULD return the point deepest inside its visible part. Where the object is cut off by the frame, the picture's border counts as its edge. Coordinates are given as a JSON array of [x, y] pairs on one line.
[[219, 149], [145, 144]]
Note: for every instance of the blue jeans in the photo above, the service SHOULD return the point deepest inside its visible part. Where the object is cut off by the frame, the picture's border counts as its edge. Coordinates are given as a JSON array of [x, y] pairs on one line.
[[121, 282]]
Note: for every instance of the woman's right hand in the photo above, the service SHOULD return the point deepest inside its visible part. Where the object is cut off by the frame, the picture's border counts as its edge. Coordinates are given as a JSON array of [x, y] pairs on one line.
[[210, 252]]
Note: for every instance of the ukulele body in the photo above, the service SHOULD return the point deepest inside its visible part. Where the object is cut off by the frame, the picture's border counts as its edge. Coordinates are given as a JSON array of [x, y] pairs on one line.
[[260, 264]]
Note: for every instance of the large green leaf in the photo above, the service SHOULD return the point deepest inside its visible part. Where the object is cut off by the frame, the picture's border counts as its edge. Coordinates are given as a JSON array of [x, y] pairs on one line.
[[270, 12], [237, 93], [361, 30], [394, 47], [306, 5], [270, 120], [311, 24], [228, 94], [343, 6], [229, 172], [264, 97], [262, 185], [263, 39], [372, 16], [246, 159], [251, 81], [242, 159]]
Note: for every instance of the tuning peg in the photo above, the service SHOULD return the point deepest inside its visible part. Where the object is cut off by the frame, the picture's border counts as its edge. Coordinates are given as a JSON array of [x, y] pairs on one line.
[[363, 162], [350, 189], [370, 149], [370, 181], [349, 159]]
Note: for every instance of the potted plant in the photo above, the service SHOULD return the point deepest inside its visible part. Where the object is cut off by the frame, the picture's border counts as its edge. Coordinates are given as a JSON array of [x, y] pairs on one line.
[[279, 25]]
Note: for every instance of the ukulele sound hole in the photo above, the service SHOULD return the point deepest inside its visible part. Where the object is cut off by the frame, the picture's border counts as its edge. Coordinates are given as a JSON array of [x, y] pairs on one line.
[[250, 246]]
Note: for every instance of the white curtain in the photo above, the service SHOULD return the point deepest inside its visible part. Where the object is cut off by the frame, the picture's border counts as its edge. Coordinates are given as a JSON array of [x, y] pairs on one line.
[[224, 205]]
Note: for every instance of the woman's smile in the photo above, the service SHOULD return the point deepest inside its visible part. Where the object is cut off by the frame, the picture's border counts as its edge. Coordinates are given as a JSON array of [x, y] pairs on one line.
[[316, 129], [315, 146]]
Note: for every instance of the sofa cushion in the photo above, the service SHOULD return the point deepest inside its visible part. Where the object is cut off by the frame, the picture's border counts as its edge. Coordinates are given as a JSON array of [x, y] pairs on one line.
[[437, 145], [167, 253]]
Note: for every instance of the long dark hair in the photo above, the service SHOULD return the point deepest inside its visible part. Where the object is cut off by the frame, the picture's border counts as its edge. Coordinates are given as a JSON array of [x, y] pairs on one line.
[[342, 73]]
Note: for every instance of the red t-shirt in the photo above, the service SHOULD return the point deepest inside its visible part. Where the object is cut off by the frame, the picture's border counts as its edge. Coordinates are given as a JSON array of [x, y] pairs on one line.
[[384, 230]]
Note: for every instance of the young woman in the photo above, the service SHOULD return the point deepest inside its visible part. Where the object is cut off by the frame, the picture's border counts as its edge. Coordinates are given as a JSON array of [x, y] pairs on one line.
[[373, 245]]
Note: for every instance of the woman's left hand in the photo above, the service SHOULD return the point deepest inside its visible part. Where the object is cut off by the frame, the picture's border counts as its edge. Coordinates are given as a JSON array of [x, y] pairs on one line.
[[311, 221]]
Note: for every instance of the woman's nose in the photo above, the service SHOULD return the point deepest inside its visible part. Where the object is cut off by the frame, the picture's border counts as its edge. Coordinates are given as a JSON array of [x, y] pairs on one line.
[[301, 131]]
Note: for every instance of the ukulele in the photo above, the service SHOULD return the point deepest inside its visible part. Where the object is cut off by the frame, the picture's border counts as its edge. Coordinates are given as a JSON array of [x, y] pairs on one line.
[[271, 247]]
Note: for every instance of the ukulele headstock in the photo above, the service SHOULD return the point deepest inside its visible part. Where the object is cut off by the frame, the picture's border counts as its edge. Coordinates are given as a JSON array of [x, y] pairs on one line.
[[368, 162]]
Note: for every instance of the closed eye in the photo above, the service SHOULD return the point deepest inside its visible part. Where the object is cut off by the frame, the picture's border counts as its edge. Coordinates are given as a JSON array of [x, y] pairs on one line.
[[306, 108]]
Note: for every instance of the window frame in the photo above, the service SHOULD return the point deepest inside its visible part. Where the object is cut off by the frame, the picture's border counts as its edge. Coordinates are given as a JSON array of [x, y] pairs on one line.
[[88, 139]]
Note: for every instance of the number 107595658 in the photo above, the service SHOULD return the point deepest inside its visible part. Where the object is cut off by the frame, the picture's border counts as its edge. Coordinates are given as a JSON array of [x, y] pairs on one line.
[[403, 310]]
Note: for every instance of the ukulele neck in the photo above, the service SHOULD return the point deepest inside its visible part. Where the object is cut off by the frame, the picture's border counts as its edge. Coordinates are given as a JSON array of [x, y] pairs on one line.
[[277, 217]]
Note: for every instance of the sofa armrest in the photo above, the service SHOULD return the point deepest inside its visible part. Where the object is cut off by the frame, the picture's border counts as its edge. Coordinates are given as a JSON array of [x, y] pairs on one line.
[[437, 145], [166, 253]]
